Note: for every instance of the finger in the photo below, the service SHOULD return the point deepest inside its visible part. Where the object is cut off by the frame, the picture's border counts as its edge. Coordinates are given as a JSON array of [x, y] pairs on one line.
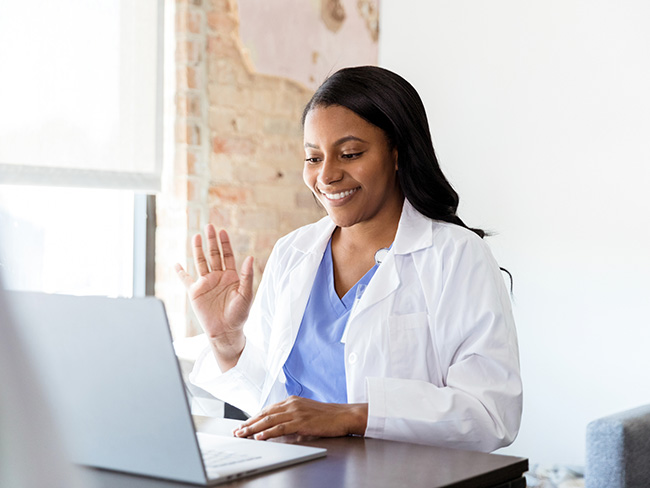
[[251, 420], [199, 258], [265, 423], [287, 428], [246, 278], [266, 413], [214, 255], [183, 275], [226, 249], [262, 414]]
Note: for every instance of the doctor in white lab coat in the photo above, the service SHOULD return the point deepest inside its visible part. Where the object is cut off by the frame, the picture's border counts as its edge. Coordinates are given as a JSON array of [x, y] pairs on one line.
[[428, 350]]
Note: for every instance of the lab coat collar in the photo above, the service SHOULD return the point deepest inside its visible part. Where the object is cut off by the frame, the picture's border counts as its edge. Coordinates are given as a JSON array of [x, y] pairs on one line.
[[414, 232], [315, 237]]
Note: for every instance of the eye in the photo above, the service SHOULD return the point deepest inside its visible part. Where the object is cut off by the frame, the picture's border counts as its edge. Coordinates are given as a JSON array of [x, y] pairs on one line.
[[351, 155], [313, 160]]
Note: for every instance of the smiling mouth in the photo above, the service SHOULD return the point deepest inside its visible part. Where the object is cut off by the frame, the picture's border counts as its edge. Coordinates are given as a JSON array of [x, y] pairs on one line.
[[338, 196]]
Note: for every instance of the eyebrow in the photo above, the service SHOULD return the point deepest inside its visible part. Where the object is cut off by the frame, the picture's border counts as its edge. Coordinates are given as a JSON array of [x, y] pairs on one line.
[[337, 142]]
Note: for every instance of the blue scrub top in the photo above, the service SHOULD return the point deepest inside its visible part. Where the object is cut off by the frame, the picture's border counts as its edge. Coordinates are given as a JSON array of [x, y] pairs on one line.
[[315, 367]]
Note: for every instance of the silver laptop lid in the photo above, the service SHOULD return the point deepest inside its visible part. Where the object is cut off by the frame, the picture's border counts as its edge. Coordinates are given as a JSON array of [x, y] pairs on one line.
[[97, 357]]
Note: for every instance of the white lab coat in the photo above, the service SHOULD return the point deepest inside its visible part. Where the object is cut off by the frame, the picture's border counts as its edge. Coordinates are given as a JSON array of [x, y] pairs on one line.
[[431, 345]]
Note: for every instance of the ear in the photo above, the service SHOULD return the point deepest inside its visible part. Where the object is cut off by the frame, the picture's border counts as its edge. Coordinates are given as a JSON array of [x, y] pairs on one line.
[[395, 158]]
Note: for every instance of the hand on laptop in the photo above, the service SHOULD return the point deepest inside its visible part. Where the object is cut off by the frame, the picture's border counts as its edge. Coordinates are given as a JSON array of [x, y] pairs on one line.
[[306, 417], [221, 299]]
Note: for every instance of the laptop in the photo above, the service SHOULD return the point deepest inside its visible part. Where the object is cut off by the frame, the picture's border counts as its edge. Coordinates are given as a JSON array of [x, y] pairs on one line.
[[114, 383]]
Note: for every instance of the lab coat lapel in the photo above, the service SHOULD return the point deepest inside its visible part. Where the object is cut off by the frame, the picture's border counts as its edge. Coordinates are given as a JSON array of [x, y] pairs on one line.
[[383, 283], [301, 280], [414, 232], [310, 247]]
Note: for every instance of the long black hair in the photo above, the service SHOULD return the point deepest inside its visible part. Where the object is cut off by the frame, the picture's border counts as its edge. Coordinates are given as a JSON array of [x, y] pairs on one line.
[[389, 102]]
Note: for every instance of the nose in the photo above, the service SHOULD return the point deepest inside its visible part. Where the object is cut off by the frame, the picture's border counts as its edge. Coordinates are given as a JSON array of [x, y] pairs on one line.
[[330, 171]]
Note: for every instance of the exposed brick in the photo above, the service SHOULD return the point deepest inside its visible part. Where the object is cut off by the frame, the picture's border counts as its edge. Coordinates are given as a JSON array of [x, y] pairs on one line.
[[188, 20], [262, 174], [228, 96], [191, 163], [188, 51], [305, 200], [282, 126], [194, 21], [221, 169], [191, 77], [229, 194], [222, 21], [274, 196], [194, 105], [180, 189], [258, 219], [242, 243], [181, 132], [238, 151], [194, 190], [193, 134], [224, 120], [233, 145], [194, 225], [220, 217], [290, 220], [222, 46], [220, 5]]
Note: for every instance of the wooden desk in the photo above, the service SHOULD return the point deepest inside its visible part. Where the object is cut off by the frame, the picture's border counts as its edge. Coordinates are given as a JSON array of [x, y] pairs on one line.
[[357, 462]]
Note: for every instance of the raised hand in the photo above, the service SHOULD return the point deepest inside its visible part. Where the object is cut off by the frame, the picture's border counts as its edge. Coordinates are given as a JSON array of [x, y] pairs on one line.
[[220, 298]]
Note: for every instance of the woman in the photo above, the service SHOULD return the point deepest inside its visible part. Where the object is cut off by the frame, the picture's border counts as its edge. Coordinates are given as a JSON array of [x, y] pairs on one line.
[[387, 318]]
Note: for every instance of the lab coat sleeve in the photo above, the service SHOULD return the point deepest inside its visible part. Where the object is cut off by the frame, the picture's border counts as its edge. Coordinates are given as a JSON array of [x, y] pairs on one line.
[[477, 402], [242, 385]]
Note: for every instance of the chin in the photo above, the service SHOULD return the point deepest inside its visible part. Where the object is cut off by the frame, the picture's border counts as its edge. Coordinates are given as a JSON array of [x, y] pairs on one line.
[[342, 221]]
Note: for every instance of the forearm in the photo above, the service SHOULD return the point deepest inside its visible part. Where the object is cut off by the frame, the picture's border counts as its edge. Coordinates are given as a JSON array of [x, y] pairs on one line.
[[415, 411]]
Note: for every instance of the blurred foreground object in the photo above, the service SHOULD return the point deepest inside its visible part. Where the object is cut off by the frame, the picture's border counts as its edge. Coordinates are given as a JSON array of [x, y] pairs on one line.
[[31, 452], [618, 450]]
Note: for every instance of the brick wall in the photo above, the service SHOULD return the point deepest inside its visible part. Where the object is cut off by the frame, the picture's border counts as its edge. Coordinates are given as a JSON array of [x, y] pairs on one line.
[[238, 154]]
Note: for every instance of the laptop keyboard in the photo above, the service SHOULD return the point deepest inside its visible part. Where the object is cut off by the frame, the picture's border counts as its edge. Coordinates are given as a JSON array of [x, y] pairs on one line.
[[216, 458]]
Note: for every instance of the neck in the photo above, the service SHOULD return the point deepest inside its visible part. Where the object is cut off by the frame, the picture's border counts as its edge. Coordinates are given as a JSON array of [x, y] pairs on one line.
[[368, 237]]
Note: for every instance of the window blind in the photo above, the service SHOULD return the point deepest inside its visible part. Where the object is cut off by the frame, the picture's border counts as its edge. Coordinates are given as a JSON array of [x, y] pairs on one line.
[[81, 93]]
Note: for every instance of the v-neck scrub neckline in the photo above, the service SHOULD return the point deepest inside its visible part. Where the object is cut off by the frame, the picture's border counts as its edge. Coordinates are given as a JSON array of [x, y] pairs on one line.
[[315, 367]]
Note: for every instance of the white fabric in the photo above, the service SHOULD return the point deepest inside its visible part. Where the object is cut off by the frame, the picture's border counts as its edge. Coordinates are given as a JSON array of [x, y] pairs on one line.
[[431, 346]]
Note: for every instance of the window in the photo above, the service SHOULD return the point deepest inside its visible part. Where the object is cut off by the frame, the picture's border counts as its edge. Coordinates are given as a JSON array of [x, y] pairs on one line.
[[75, 241], [82, 99], [82, 109]]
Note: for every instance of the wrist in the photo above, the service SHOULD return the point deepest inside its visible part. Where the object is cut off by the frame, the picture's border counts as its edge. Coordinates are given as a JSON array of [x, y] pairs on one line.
[[358, 415], [227, 350]]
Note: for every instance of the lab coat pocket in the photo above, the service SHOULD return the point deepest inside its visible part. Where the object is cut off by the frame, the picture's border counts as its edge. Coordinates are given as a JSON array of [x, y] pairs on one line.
[[410, 345]]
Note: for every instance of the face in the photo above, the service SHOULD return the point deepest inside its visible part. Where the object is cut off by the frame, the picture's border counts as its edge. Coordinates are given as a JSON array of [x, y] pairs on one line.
[[350, 167]]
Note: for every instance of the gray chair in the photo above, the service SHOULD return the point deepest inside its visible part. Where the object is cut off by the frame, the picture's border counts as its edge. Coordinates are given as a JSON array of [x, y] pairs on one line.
[[618, 450]]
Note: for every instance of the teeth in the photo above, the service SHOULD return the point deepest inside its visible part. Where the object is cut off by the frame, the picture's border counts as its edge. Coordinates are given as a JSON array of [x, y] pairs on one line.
[[338, 196]]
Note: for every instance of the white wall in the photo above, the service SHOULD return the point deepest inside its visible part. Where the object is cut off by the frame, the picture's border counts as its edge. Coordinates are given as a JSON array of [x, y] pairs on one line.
[[540, 113]]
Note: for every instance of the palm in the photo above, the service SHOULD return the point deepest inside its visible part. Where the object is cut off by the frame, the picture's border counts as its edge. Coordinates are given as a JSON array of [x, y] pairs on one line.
[[217, 302], [220, 298]]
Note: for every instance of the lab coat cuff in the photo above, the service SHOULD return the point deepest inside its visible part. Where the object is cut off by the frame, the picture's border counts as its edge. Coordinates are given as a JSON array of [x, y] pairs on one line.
[[240, 386], [375, 392]]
